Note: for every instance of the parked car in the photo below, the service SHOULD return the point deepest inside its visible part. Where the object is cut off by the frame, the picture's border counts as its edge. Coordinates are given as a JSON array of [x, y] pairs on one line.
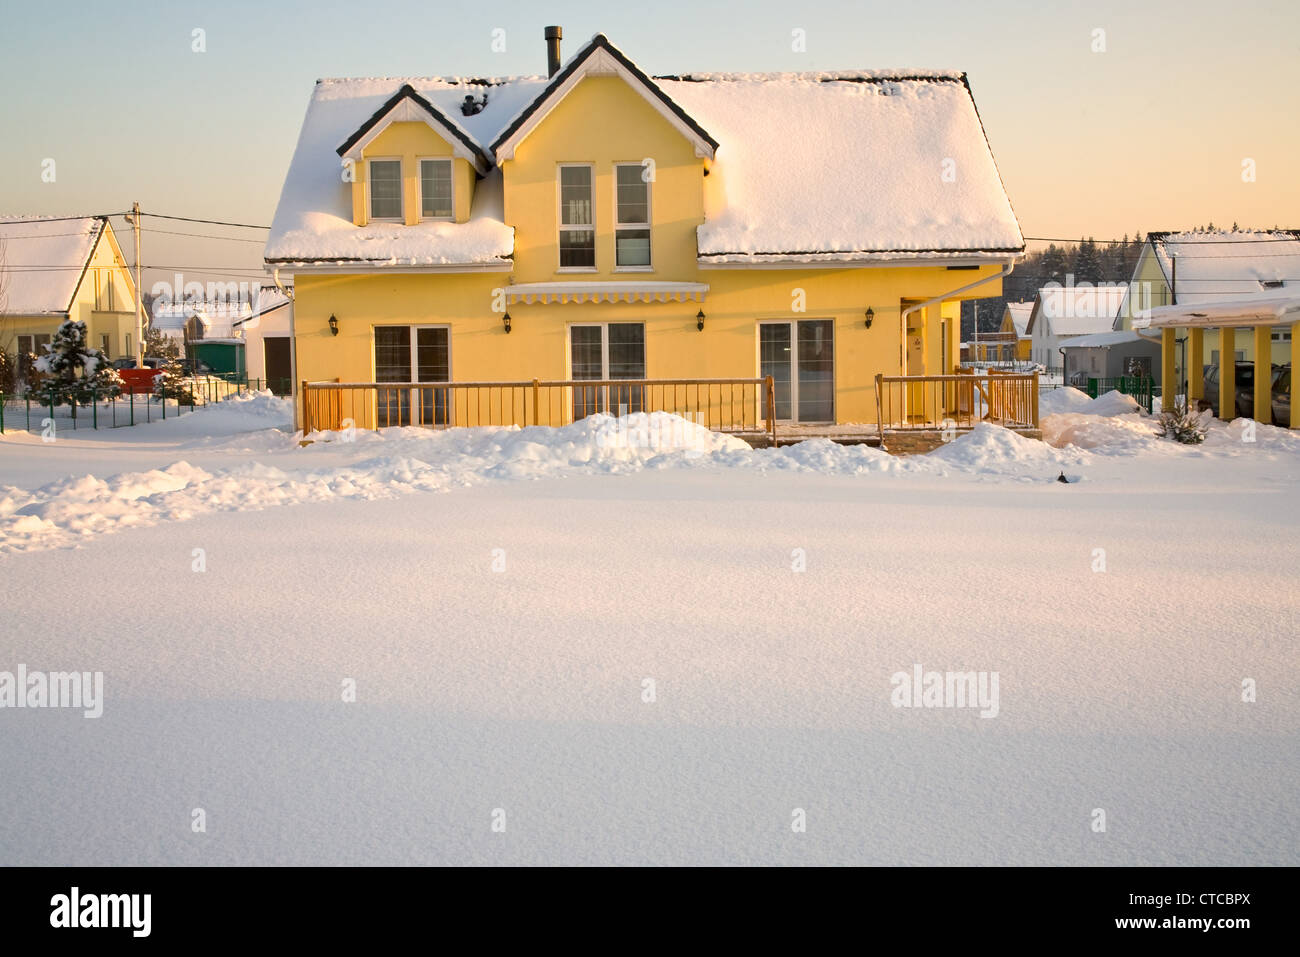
[[192, 367], [125, 362], [1282, 396], [1245, 391]]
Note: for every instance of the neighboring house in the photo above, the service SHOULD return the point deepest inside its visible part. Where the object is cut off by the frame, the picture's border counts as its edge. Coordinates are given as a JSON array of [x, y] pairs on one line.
[[1011, 343], [59, 269], [1195, 268], [1108, 355], [1061, 313], [266, 333], [598, 223]]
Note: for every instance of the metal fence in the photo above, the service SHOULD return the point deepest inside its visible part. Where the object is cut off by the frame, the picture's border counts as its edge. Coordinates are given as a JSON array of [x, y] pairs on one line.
[[938, 402], [45, 412], [737, 406], [1140, 387]]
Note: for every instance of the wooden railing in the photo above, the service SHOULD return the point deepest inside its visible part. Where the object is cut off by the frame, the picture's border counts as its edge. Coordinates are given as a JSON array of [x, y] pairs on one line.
[[960, 402], [737, 406]]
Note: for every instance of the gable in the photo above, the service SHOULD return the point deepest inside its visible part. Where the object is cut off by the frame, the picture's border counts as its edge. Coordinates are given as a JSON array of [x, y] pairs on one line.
[[600, 58], [408, 106], [45, 260]]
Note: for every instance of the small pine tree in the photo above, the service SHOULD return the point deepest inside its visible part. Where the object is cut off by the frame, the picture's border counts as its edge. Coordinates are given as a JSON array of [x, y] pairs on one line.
[[171, 383], [159, 345], [72, 370], [1183, 425]]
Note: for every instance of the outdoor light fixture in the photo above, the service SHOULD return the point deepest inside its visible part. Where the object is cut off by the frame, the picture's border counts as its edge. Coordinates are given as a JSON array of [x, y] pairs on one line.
[[505, 321], [699, 320], [334, 326], [871, 314]]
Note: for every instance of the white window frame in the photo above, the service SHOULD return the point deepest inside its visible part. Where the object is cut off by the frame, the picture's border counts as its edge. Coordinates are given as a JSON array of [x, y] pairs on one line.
[[604, 355], [560, 224], [451, 177], [794, 367], [401, 190], [416, 406], [648, 225]]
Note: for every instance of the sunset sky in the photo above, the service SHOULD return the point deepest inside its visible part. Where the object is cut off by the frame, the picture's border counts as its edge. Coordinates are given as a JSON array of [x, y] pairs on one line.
[[1149, 134]]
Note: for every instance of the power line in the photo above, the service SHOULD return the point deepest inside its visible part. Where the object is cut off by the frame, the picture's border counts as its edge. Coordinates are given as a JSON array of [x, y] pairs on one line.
[[232, 239], [210, 222]]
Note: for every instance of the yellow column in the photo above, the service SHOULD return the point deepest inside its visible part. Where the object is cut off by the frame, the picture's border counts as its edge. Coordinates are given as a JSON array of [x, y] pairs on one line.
[[1263, 374], [1227, 373], [1168, 375], [1195, 366], [1295, 364]]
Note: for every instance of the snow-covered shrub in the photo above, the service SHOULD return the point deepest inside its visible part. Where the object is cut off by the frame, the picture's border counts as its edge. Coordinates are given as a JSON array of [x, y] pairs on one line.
[[1183, 425], [8, 372]]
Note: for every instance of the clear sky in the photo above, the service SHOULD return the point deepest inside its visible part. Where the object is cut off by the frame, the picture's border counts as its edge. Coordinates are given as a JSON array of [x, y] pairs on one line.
[[1149, 134]]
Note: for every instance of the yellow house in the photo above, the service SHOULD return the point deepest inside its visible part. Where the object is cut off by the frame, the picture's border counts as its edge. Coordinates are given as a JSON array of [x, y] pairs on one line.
[[54, 269], [1209, 266], [597, 224]]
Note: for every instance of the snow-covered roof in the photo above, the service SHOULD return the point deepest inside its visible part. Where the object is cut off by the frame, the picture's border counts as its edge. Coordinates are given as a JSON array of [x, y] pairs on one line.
[[1221, 265], [1103, 340], [1076, 310], [44, 260], [220, 318], [1020, 313], [1241, 311], [861, 166]]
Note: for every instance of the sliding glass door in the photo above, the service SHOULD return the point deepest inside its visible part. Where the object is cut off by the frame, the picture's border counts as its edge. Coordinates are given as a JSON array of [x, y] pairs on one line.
[[799, 355], [412, 354], [613, 350]]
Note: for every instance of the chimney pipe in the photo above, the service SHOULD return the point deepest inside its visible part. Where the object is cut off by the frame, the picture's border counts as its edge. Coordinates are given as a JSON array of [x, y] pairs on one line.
[[553, 37]]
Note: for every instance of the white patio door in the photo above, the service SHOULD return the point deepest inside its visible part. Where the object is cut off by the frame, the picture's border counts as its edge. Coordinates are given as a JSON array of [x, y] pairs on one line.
[[799, 355], [610, 350]]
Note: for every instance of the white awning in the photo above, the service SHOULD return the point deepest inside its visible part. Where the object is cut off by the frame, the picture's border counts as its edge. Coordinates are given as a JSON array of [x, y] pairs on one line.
[[565, 292], [1248, 311]]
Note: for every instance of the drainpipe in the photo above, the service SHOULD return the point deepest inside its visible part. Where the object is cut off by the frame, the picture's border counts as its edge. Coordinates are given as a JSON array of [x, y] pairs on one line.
[[293, 343], [902, 347]]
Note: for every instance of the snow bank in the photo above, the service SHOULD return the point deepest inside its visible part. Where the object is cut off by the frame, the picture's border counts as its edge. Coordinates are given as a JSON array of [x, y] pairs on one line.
[[1067, 399], [993, 450]]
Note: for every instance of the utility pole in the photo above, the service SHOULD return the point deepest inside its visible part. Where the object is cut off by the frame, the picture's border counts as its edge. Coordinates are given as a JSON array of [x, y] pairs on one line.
[[134, 219]]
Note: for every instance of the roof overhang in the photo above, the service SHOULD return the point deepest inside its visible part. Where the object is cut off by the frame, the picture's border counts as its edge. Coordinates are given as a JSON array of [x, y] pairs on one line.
[[339, 267], [1257, 311], [580, 292], [601, 58], [863, 260], [408, 106]]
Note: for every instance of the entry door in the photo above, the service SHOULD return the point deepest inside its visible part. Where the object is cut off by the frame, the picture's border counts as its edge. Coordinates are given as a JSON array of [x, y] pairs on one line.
[[613, 350], [800, 357], [278, 372], [395, 348]]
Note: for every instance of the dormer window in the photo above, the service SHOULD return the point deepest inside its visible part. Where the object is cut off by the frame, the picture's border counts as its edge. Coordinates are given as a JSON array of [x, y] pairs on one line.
[[435, 189], [385, 178]]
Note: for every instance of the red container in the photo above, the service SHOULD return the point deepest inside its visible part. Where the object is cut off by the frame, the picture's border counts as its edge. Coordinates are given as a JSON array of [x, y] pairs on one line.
[[139, 381]]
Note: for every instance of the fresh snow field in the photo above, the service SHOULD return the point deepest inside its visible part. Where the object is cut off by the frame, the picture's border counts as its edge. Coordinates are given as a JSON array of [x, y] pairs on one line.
[[500, 598]]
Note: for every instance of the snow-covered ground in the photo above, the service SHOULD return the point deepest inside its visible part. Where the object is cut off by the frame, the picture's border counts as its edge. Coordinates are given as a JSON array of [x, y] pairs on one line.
[[506, 602]]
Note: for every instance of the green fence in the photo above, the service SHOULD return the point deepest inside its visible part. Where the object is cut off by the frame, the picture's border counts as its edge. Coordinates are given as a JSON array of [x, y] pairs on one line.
[[47, 411], [1140, 387]]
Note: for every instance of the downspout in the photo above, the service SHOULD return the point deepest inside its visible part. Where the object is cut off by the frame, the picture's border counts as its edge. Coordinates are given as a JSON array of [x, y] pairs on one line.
[[902, 343]]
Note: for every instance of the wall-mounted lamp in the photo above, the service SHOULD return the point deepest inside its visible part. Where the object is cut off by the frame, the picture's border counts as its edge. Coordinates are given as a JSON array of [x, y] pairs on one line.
[[334, 326], [505, 322], [699, 320], [871, 315]]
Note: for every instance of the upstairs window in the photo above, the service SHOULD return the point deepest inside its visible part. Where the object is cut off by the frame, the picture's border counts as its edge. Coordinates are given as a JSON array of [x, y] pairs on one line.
[[632, 217], [386, 189], [435, 189], [577, 233]]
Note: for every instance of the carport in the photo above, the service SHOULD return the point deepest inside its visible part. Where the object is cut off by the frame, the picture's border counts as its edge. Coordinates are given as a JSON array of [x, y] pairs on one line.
[[1258, 313]]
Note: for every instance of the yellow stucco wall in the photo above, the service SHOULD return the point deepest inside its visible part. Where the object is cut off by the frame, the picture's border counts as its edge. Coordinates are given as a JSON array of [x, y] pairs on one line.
[[604, 122]]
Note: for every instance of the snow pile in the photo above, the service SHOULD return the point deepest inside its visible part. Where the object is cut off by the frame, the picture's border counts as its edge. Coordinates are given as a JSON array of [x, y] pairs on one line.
[[1116, 434], [1067, 399], [993, 450], [1113, 403]]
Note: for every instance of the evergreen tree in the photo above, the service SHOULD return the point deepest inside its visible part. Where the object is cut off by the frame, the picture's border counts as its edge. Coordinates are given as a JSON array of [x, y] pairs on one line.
[[1051, 268], [172, 383], [159, 345], [1087, 262], [75, 372]]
